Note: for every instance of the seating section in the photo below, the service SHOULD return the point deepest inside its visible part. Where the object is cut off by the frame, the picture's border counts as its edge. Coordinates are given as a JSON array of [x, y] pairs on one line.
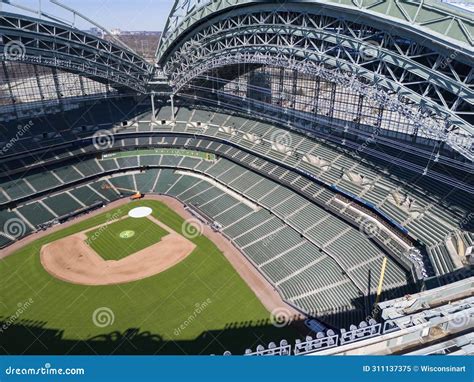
[[313, 258], [430, 224], [36, 213], [278, 234], [262, 237], [43, 181], [62, 204], [376, 187], [17, 188]]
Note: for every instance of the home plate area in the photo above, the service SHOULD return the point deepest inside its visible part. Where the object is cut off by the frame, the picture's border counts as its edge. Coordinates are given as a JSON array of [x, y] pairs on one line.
[[120, 251]]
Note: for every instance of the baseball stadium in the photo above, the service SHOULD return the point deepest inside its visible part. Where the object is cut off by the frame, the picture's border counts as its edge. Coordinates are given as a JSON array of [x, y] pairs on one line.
[[275, 178]]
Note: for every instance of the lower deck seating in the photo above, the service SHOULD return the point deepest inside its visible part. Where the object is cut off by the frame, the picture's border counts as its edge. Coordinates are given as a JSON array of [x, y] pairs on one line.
[[431, 228], [275, 235]]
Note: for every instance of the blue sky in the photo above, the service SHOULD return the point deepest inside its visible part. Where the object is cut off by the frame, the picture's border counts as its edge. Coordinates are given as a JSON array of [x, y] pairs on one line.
[[148, 15]]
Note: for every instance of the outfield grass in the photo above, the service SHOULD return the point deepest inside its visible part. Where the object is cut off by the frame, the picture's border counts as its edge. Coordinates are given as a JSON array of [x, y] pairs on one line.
[[199, 306], [109, 244]]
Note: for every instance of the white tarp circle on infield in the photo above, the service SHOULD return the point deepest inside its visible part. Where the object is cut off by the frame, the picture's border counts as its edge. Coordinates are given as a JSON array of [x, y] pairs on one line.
[[140, 212]]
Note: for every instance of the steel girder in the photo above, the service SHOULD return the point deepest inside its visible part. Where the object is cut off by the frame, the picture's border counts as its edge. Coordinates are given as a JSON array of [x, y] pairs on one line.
[[389, 54], [34, 41], [430, 127], [409, 69], [430, 19]]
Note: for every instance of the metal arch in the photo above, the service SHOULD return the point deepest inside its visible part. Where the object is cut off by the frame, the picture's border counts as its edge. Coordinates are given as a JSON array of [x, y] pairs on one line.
[[437, 22], [434, 128], [226, 34], [183, 61], [431, 127], [56, 45], [429, 77], [181, 9]]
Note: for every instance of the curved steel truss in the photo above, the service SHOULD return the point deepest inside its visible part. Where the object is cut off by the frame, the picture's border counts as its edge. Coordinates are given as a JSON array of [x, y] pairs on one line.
[[430, 18], [431, 128], [34, 41], [396, 70]]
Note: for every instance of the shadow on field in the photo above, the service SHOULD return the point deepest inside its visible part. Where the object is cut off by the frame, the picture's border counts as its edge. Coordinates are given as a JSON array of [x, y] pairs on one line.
[[34, 338]]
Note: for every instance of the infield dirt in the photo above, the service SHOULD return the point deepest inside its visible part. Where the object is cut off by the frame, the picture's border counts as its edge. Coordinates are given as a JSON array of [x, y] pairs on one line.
[[71, 259]]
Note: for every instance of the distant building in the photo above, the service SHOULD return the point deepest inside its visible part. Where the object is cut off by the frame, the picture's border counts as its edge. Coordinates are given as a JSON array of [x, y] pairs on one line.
[[140, 33], [95, 32], [464, 4]]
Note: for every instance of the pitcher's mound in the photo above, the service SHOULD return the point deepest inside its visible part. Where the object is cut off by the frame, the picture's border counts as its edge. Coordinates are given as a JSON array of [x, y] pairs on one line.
[[140, 212]]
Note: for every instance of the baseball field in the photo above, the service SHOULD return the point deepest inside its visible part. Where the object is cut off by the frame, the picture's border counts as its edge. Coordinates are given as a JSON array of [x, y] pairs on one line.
[[124, 237], [197, 305]]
